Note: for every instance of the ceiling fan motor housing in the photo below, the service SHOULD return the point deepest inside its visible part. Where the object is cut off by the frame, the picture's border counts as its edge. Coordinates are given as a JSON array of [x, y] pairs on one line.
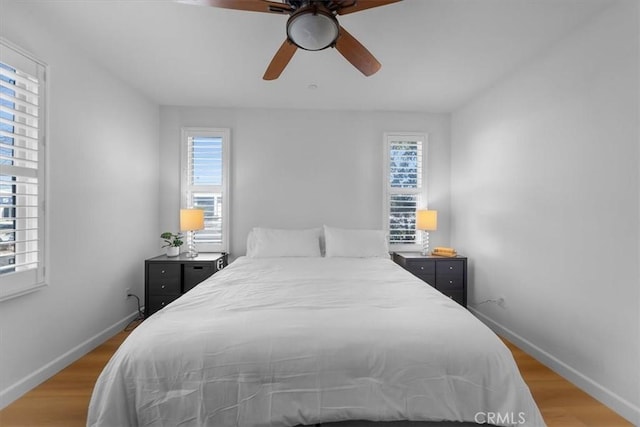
[[313, 27]]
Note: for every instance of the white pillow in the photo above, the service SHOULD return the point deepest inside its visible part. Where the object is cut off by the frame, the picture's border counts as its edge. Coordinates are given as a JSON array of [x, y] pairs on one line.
[[355, 243], [272, 242]]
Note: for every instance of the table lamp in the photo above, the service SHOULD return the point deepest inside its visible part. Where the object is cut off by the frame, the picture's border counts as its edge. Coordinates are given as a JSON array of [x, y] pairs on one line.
[[426, 221], [191, 220]]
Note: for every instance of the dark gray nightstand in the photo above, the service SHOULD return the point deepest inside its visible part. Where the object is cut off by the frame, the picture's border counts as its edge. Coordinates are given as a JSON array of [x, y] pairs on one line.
[[167, 278], [448, 275]]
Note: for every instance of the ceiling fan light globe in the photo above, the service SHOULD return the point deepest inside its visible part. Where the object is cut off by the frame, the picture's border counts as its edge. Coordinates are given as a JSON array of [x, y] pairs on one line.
[[312, 30]]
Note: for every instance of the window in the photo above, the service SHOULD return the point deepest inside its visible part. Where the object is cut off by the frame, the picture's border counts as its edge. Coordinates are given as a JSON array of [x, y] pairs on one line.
[[205, 184], [21, 172], [404, 190]]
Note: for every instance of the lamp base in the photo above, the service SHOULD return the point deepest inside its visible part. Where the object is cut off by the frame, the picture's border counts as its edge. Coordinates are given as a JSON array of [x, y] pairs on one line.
[[192, 252], [425, 243]]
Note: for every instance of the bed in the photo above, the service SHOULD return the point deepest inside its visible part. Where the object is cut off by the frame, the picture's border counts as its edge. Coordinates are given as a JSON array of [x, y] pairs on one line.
[[304, 340]]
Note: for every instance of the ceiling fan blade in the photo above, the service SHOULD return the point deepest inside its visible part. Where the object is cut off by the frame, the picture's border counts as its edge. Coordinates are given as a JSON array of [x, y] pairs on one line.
[[250, 5], [356, 53], [350, 6], [280, 60]]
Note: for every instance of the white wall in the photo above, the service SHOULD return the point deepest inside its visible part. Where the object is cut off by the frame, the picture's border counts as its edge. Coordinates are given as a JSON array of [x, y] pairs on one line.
[[293, 168], [545, 202], [544, 172], [102, 206]]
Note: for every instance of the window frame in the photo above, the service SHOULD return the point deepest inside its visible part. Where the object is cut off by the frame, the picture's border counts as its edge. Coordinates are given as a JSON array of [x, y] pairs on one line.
[[186, 189], [18, 283], [388, 191]]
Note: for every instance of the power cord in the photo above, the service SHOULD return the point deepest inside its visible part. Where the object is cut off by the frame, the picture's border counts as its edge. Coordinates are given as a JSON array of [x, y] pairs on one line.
[[132, 325]]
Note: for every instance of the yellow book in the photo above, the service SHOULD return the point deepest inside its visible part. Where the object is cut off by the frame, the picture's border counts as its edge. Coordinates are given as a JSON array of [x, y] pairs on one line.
[[441, 251]]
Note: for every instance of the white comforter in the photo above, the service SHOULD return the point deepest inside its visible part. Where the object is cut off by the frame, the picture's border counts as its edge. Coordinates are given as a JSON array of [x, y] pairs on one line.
[[288, 341]]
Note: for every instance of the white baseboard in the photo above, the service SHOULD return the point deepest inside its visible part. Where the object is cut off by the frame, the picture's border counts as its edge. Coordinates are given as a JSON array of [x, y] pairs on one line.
[[620, 405], [16, 390]]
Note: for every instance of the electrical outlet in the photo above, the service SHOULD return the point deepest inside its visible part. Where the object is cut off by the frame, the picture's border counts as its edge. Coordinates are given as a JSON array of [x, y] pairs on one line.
[[501, 302], [127, 293]]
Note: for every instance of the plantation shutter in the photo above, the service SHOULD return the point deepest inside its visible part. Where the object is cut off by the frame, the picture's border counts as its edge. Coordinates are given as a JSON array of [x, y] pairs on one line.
[[404, 174], [21, 172], [205, 184]]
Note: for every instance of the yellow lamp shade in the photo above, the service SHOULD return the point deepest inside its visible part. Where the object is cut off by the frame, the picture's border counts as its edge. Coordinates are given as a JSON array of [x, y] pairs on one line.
[[427, 220], [191, 219]]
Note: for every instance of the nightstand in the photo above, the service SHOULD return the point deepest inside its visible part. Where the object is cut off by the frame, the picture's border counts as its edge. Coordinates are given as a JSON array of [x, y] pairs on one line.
[[448, 275], [167, 278]]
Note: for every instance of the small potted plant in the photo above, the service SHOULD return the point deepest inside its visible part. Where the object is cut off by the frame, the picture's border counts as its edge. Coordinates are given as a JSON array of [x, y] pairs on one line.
[[172, 242]]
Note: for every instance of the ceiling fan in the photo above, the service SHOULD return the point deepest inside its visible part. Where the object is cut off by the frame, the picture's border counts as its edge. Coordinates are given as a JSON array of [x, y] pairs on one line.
[[312, 25]]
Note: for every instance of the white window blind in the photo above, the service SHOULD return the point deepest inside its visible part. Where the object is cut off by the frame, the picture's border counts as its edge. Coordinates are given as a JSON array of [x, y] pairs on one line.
[[404, 190], [205, 184], [21, 172]]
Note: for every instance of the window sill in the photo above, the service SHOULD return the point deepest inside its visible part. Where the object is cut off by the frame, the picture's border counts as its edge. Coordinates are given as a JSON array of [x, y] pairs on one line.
[[8, 294]]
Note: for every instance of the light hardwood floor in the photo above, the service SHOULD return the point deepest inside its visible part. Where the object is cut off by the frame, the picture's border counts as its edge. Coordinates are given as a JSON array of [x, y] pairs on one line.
[[62, 401]]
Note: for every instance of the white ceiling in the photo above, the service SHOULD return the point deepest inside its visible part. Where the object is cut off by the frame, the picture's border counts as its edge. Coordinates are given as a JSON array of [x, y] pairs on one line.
[[435, 54]]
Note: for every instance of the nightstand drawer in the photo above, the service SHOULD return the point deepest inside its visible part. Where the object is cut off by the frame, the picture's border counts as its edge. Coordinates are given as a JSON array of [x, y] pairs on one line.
[[449, 282], [158, 302], [450, 268], [164, 273], [421, 267], [164, 287], [195, 273]]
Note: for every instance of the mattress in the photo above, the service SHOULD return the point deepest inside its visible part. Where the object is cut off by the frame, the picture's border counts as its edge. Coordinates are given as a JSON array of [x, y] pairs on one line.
[[302, 341]]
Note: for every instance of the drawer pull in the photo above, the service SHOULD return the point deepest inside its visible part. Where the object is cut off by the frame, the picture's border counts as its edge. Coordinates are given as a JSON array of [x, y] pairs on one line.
[[162, 304], [450, 282], [450, 267], [162, 287], [197, 267], [162, 272], [421, 268]]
